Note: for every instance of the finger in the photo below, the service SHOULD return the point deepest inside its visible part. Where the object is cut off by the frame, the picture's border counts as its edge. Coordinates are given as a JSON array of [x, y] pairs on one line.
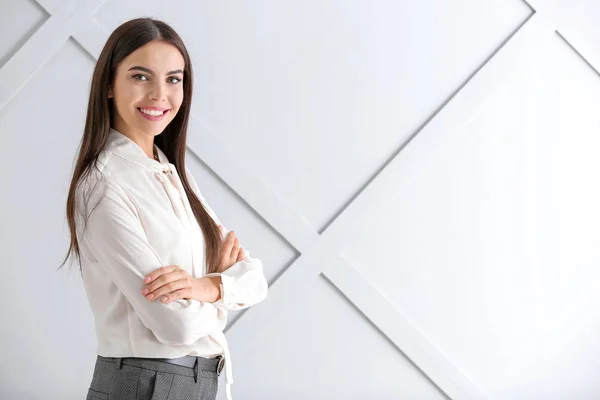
[[178, 294], [241, 255], [167, 288], [228, 243], [164, 279], [235, 249], [223, 232], [158, 282], [159, 271]]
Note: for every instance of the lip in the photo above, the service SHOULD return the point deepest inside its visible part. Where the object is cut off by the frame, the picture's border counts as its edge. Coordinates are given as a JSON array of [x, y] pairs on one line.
[[153, 117]]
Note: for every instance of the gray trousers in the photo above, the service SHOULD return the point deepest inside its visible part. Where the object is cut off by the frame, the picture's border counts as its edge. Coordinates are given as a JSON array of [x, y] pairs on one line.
[[148, 379]]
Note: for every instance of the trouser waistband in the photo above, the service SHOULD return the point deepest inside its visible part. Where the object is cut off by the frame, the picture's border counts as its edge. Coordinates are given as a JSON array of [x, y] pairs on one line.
[[194, 362]]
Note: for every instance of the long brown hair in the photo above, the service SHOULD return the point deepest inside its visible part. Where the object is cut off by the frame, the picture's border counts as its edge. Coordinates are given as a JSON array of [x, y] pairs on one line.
[[172, 141]]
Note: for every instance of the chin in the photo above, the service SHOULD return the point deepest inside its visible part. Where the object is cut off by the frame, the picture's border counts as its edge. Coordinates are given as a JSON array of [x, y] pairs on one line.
[[155, 131]]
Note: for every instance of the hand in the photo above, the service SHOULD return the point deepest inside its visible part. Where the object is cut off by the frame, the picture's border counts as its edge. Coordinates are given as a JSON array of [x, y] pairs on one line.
[[174, 283], [232, 252]]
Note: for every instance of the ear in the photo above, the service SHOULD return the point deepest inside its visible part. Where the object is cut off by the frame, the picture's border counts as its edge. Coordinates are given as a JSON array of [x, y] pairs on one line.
[[110, 95]]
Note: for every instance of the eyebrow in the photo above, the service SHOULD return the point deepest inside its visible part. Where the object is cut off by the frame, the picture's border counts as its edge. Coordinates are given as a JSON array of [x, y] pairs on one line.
[[177, 71]]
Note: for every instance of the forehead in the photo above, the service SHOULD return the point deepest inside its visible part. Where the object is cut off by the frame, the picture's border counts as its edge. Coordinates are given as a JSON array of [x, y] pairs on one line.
[[157, 55]]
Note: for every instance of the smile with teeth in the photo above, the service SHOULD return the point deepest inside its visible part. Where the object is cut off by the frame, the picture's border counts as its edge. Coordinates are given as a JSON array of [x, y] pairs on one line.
[[155, 113]]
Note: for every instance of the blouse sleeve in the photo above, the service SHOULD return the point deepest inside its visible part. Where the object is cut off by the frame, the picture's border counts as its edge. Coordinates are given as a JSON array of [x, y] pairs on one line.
[[243, 284], [116, 238]]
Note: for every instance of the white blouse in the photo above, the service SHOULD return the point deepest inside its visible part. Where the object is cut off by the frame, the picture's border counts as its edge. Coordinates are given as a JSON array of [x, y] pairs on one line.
[[140, 219]]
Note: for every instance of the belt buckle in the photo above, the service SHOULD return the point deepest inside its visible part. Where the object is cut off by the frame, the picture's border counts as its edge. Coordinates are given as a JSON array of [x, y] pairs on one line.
[[220, 365]]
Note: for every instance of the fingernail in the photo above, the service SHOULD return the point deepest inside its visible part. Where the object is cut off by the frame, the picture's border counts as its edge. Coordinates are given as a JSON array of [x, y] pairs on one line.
[[150, 296], [147, 279], [164, 299], [144, 291]]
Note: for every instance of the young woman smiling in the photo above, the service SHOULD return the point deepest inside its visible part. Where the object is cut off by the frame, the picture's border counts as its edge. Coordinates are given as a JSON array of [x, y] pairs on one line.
[[159, 270]]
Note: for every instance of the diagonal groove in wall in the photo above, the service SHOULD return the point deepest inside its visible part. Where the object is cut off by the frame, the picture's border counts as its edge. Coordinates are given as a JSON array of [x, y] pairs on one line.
[[40, 48], [355, 304], [424, 123], [583, 58], [30, 32]]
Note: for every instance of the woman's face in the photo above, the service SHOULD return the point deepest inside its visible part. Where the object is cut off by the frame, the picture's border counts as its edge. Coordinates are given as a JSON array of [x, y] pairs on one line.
[[148, 81]]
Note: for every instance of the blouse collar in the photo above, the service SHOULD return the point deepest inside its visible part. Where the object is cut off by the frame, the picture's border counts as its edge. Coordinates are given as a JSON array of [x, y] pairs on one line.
[[123, 146]]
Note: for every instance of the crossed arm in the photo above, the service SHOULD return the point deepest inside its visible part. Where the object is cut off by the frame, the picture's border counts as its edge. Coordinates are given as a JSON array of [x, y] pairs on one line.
[[116, 238]]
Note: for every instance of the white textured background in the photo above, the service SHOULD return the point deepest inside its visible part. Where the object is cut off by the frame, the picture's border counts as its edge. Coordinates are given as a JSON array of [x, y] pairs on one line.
[[419, 178]]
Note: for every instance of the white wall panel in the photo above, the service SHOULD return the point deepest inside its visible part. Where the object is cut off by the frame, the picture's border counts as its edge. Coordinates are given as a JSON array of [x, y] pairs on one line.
[[491, 251], [47, 329], [21, 19], [372, 71], [325, 349]]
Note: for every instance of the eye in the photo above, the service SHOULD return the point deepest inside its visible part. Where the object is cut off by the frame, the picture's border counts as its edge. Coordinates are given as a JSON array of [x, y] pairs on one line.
[[139, 76], [174, 79]]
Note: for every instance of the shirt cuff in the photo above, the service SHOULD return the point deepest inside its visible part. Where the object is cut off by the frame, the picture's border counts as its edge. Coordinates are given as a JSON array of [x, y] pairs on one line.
[[227, 287]]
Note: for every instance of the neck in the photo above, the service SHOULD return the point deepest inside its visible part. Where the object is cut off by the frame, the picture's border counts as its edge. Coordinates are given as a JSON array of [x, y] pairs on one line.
[[144, 140]]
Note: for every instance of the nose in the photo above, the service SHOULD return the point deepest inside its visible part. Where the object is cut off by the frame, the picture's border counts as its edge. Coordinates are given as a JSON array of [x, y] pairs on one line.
[[157, 91]]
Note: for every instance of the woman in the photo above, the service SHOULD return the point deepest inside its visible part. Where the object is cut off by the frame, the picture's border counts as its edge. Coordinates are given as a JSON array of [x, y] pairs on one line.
[[160, 273]]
